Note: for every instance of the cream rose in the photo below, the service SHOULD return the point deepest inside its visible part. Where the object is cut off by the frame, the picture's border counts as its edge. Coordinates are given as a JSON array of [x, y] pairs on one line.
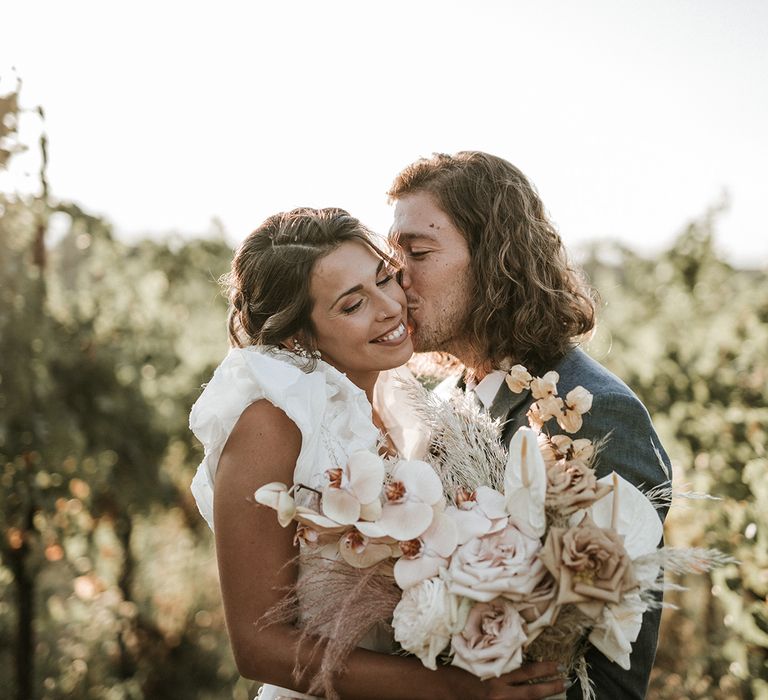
[[492, 640], [426, 618], [503, 563]]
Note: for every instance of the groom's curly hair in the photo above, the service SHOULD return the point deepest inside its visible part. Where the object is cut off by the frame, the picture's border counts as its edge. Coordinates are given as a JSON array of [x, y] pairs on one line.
[[269, 283], [530, 303]]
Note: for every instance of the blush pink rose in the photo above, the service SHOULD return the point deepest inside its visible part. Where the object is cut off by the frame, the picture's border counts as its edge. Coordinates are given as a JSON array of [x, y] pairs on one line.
[[503, 563], [492, 640], [572, 486]]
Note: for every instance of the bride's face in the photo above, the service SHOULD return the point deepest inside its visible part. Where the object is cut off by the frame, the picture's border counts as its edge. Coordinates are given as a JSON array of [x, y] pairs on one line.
[[359, 313]]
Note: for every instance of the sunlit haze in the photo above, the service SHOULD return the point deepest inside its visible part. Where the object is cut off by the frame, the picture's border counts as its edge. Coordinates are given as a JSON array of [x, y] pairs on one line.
[[630, 118]]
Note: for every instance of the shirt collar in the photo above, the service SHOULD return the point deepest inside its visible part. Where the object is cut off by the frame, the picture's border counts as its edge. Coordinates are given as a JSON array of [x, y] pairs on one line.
[[487, 388]]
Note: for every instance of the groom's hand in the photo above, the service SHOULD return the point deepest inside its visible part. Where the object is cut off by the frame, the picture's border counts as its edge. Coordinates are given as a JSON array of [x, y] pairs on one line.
[[533, 681]]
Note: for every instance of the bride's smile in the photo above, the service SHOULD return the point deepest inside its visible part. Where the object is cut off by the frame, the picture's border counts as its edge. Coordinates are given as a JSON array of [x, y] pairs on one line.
[[394, 337]]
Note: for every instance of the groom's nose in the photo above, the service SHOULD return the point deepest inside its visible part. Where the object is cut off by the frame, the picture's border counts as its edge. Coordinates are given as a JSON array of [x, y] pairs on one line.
[[404, 278]]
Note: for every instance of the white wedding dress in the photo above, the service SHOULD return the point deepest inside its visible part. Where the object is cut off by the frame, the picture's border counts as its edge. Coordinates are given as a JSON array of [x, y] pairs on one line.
[[332, 413]]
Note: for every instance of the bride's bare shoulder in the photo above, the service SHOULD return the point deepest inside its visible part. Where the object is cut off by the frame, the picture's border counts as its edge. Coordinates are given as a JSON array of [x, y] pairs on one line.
[[265, 443]]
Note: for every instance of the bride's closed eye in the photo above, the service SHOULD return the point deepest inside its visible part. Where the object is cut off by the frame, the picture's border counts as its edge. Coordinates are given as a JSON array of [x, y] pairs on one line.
[[379, 283], [353, 308]]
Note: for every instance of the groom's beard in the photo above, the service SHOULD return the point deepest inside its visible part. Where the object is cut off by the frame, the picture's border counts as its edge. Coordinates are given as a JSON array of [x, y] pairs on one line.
[[446, 331]]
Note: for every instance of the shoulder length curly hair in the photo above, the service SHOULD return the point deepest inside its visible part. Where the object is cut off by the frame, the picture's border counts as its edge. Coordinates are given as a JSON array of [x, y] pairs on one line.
[[530, 304]]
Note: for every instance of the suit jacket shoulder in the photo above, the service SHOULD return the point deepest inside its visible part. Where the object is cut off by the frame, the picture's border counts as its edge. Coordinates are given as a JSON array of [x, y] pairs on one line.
[[618, 420], [578, 368]]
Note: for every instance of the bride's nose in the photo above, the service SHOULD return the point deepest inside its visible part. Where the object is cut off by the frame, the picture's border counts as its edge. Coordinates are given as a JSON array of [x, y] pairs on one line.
[[389, 308]]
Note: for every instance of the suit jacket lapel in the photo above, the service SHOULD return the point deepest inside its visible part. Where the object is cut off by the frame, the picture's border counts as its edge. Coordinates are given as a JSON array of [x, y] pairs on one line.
[[507, 402]]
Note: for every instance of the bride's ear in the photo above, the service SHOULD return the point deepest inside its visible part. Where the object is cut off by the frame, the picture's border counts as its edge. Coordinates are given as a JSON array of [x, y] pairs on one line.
[[297, 344]]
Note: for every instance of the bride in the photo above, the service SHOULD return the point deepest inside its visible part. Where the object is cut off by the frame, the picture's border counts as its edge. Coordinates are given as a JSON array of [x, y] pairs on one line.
[[316, 315]]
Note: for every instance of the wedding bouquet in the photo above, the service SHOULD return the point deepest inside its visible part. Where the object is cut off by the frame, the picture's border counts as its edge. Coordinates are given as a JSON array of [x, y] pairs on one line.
[[482, 557]]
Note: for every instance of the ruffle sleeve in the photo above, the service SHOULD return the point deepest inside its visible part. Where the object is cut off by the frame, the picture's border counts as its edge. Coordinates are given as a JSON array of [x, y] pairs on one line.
[[310, 400]]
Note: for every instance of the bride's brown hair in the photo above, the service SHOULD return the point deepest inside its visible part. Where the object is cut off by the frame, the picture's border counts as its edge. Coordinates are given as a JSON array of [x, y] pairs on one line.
[[268, 285], [529, 303]]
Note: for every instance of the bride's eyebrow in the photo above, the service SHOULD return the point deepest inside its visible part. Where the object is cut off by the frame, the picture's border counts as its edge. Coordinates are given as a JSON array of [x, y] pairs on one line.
[[357, 287]]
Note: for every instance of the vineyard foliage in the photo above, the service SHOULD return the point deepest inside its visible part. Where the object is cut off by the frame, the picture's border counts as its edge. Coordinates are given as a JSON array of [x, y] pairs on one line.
[[108, 584]]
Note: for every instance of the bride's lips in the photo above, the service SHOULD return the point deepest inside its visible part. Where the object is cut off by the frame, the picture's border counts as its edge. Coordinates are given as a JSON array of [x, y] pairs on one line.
[[392, 337]]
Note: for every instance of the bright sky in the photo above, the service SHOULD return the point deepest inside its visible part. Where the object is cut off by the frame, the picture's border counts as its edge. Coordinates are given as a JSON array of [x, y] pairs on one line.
[[630, 117]]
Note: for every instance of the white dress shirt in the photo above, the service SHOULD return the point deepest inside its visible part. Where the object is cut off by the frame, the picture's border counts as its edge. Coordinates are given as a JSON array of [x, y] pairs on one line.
[[487, 388]]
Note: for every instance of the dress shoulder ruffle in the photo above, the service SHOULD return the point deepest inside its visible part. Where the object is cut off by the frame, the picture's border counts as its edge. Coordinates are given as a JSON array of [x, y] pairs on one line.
[[322, 403]]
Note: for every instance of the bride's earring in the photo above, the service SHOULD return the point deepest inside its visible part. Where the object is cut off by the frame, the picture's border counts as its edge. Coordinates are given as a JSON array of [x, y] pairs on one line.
[[301, 351]]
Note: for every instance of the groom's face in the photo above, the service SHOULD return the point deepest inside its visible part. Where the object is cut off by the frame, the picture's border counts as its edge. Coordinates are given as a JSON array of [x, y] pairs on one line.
[[438, 277]]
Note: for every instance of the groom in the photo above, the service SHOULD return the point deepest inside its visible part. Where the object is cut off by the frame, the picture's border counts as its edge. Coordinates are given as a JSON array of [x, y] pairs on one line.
[[488, 281]]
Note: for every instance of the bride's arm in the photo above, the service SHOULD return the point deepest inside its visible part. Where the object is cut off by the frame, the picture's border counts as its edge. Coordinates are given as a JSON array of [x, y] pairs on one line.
[[253, 550]]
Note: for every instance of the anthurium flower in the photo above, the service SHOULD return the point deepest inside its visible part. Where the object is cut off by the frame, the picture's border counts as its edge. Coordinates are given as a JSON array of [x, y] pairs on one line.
[[577, 402], [423, 557], [518, 379], [353, 487], [618, 628], [478, 513], [276, 495], [630, 513], [525, 483], [413, 489]]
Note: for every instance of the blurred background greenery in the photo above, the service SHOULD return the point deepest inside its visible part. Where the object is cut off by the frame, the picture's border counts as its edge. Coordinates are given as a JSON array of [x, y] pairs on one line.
[[108, 585]]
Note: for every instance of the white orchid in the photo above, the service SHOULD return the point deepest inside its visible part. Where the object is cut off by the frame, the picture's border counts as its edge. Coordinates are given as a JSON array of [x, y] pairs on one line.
[[353, 490], [314, 520], [481, 512], [525, 483], [414, 488], [423, 557], [277, 496]]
